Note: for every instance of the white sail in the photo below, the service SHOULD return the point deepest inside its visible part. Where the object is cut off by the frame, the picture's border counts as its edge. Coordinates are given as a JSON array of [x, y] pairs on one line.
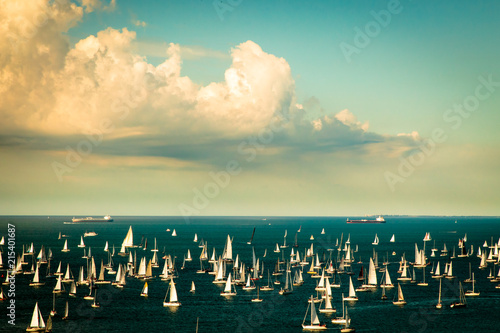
[[36, 318], [195, 238], [129, 239], [372, 274], [352, 292], [145, 289], [193, 288], [393, 239], [228, 253], [65, 248], [82, 244], [36, 278], [314, 316], [388, 281], [106, 247], [227, 288]]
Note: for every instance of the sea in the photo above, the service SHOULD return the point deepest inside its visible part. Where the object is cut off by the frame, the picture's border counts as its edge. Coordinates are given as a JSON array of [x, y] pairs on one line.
[[205, 310]]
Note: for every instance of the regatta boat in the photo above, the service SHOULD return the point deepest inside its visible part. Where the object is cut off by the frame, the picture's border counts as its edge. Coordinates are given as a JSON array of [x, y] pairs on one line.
[[145, 290], [228, 291], [439, 305], [37, 324], [65, 248], [352, 293], [472, 292], [257, 299], [173, 301], [376, 240], [401, 299], [315, 323], [462, 303]]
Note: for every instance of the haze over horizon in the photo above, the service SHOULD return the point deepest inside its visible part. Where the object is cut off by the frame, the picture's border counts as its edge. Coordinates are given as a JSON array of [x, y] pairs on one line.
[[249, 108]]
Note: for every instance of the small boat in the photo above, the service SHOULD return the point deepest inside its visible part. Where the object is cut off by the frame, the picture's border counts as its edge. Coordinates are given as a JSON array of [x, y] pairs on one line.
[[347, 326], [66, 312], [95, 304], [65, 248], [311, 238], [352, 293], [393, 239], [401, 299], [59, 288], [257, 299], [195, 238], [82, 244], [145, 290], [472, 292], [53, 312], [174, 233], [251, 238], [36, 279], [439, 305], [328, 306], [376, 240], [315, 323], [323, 231], [462, 303], [37, 324], [2, 295], [193, 288], [269, 287], [228, 291], [90, 234]]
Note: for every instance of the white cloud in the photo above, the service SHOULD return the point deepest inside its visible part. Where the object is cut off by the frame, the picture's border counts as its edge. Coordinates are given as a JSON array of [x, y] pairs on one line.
[[49, 88]]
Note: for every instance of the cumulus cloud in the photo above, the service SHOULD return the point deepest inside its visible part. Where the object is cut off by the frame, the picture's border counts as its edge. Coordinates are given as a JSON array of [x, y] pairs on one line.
[[49, 88]]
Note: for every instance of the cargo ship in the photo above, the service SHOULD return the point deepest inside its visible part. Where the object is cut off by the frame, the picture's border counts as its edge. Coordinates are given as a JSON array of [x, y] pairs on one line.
[[106, 218], [379, 219]]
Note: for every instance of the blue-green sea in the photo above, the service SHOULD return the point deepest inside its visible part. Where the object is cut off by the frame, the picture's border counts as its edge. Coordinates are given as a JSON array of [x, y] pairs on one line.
[[123, 310]]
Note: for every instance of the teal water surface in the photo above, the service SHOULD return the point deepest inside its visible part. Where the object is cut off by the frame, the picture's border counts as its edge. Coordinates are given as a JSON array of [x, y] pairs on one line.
[[123, 310]]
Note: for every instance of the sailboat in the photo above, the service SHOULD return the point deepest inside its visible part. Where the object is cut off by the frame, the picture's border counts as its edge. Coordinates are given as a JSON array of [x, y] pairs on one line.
[[72, 289], [193, 288], [250, 285], [257, 299], [269, 287], [401, 299], [82, 244], [173, 300], [423, 283], [323, 231], [53, 311], [65, 248], [174, 233], [66, 312], [59, 287], [315, 323], [439, 305], [251, 238], [393, 239], [376, 240], [328, 305], [340, 320], [37, 324], [347, 328], [228, 291], [2, 295], [36, 279], [145, 289], [462, 303], [288, 286], [95, 304], [472, 292], [352, 293], [195, 238]]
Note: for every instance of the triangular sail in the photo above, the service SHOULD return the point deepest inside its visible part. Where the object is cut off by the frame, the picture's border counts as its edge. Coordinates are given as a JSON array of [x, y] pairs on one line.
[[372, 274], [314, 316]]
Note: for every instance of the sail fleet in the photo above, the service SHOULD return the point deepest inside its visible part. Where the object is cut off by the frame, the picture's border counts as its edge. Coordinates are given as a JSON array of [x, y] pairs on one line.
[[308, 270]]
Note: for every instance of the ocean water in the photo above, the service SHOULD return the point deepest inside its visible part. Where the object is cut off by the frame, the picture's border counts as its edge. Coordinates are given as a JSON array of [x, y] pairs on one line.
[[123, 310]]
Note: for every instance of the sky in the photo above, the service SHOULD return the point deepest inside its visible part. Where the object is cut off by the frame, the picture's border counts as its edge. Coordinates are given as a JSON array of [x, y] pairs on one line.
[[260, 108]]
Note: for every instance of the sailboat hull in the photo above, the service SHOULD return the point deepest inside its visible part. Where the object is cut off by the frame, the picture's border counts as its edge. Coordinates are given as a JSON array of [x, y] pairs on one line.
[[172, 304], [314, 327]]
